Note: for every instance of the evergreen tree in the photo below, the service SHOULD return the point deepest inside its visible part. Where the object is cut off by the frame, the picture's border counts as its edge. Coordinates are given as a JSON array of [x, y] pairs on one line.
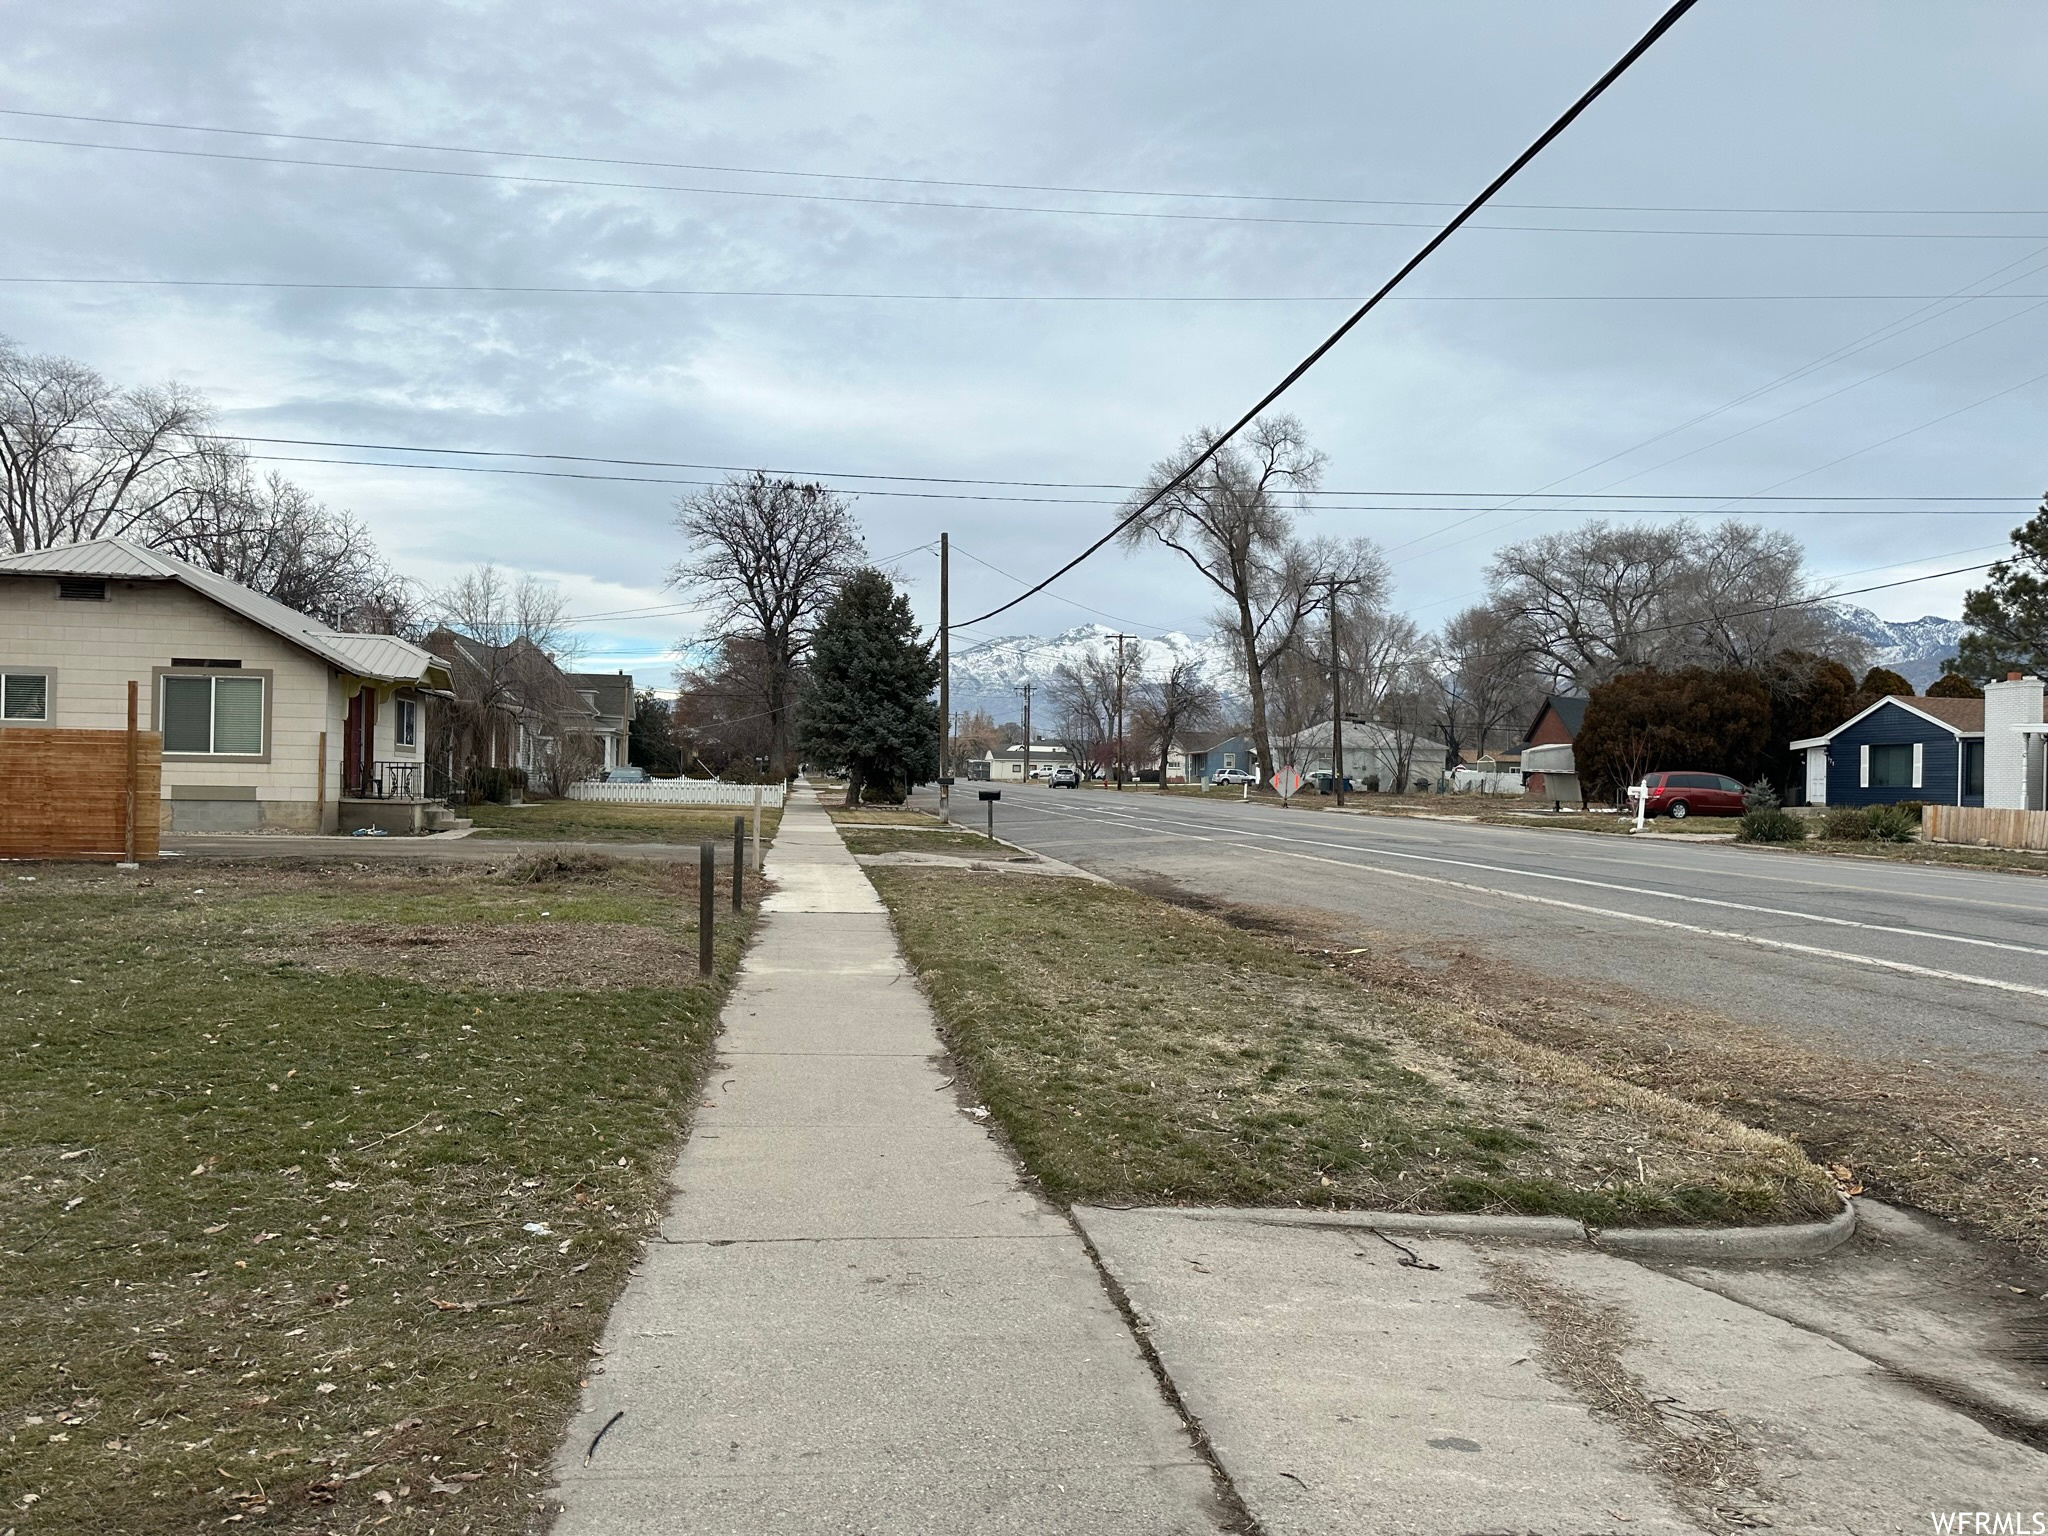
[[1951, 686], [2007, 617], [870, 706], [1883, 682]]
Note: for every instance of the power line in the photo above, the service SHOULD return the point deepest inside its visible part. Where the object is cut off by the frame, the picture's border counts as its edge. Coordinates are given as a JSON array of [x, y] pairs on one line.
[[1663, 25], [2002, 503], [776, 195], [992, 186], [1062, 485], [1885, 332], [596, 291]]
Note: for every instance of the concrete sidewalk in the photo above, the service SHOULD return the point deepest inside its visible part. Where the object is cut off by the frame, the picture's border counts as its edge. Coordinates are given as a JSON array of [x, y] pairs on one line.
[[856, 1320]]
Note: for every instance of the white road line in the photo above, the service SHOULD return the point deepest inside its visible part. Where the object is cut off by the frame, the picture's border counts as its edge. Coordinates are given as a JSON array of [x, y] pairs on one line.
[[1786, 945], [1638, 890]]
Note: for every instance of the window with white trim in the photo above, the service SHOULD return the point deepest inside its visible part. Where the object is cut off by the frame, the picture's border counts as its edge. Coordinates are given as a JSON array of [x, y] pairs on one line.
[[213, 716], [25, 696], [1891, 765], [405, 723]]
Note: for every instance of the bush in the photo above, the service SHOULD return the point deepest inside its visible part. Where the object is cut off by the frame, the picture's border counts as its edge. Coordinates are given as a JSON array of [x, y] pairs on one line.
[[497, 785], [1770, 824], [1893, 824], [1846, 824], [1912, 808]]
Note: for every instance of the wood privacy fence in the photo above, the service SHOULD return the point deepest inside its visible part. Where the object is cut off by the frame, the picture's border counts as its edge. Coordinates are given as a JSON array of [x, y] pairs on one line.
[[1985, 827], [67, 794], [677, 792]]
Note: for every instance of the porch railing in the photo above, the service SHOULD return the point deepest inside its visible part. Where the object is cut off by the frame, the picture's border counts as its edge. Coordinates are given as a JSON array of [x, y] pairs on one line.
[[392, 781]]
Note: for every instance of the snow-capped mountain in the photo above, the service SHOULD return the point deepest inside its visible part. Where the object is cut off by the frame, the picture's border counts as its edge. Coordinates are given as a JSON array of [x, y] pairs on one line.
[[991, 676], [1913, 648]]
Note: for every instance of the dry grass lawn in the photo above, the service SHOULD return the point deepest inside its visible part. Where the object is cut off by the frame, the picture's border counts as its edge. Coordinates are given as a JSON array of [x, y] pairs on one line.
[[1135, 1051], [592, 821], [319, 1180]]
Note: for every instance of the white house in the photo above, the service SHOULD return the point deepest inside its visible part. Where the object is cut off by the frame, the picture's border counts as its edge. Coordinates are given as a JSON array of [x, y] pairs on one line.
[[270, 720], [1005, 765], [1370, 752]]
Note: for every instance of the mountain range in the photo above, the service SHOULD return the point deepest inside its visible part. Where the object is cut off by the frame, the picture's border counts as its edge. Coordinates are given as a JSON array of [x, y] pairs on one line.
[[991, 676]]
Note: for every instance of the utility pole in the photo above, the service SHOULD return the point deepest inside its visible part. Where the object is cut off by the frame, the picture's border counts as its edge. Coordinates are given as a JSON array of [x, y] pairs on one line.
[[1027, 733], [945, 679], [1336, 692], [1117, 775]]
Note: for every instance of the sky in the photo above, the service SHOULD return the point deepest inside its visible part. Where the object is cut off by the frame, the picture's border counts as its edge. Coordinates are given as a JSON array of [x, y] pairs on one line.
[[1797, 251]]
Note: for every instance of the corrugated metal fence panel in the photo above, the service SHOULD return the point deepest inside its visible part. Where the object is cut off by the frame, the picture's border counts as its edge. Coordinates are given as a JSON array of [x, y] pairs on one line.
[[678, 792], [64, 794], [1987, 827]]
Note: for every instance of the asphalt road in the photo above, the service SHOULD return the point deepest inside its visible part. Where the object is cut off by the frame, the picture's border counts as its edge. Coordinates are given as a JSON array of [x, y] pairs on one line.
[[1914, 962]]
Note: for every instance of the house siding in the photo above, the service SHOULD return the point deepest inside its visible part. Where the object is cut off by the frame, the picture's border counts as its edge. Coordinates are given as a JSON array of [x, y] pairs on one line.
[[95, 649], [1892, 726]]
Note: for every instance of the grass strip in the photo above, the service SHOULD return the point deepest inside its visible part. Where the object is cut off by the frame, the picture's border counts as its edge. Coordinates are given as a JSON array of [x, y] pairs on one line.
[[1135, 1051], [318, 1183], [594, 821]]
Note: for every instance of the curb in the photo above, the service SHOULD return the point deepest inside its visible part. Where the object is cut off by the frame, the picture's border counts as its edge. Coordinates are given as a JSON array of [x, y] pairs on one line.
[[1785, 1241]]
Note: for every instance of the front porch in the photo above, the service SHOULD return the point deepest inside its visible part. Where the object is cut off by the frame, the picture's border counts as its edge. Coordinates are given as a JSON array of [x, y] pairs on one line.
[[401, 799]]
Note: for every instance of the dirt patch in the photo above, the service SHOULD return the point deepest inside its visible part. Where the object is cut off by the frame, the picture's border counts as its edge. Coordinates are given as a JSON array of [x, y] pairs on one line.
[[1961, 1144], [1697, 1455], [501, 957]]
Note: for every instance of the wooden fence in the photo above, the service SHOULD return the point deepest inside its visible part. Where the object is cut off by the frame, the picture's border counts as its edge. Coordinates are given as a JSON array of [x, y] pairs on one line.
[[1984, 827], [67, 794]]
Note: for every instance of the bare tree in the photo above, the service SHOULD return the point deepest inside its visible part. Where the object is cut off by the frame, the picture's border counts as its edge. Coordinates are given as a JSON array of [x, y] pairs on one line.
[[81, 459], [1234, 522], [276, 538], [1600, 599], [1083, 698], [1182, 700], [506, 641], [767, 557], [1482, 678]]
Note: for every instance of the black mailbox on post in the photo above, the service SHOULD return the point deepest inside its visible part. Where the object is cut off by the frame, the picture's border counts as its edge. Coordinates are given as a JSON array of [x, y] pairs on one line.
[[989, 797]]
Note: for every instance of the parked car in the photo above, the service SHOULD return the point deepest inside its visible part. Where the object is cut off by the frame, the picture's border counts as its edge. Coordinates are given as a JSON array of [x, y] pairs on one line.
[[1230, 777], [1064, 777], [624, 776], [1325, 782], [1679, 795]]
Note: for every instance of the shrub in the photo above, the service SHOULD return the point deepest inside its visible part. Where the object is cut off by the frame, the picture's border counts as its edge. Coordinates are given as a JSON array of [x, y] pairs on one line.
[[1893, 824], [1770, 824], [1912, 808], [497, 785], [1846, 824]]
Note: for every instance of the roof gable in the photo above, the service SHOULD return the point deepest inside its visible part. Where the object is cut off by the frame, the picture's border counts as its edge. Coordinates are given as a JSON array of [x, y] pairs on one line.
[[1964, 717], [383, 658]]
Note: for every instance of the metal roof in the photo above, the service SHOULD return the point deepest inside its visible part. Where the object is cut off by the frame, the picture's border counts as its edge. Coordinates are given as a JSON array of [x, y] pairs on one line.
[[378, 658]]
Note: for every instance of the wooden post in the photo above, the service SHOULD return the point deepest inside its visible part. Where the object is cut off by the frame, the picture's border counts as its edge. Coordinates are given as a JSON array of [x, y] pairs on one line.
[[320, 794], [739, 861], [134, 769], [707, 905]]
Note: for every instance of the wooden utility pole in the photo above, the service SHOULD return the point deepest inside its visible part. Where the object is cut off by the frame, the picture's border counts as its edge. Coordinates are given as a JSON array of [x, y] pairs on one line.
[[1117, 774], [945, 678], [1334, 585], [1027, 733]]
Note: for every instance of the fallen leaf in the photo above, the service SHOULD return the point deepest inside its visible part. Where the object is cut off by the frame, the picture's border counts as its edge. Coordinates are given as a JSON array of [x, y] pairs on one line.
[[65, 1157], [217, 1227]]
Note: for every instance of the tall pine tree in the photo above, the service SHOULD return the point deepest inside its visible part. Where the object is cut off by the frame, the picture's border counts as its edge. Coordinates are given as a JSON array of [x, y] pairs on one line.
[[2007, 617], [870, 706]]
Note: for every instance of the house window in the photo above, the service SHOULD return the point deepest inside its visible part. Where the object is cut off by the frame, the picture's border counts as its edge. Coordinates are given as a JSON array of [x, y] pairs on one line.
[[1891, 766], [24, 696], [218, 716], [1973, 767], [405, 723]]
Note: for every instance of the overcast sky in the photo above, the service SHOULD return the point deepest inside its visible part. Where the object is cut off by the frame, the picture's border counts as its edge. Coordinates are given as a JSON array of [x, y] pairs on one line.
[[1524, 358]]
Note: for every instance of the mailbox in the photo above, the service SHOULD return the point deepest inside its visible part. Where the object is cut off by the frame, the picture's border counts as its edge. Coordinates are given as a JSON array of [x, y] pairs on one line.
[[991, 794]]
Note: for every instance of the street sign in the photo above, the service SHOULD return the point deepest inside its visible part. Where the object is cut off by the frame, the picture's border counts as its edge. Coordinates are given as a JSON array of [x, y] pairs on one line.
[[1287, 781]]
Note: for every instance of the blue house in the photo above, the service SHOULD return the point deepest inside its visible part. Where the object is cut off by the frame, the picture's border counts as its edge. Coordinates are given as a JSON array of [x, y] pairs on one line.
[[1930, 750], [1232, 751]]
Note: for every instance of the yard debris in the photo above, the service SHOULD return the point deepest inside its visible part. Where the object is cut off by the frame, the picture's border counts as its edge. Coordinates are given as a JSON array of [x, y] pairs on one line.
[[608, 1423], [978, 1111], [538, 1229]]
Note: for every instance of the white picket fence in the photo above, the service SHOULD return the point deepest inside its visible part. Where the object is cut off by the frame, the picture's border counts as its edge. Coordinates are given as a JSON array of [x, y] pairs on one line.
[[677, 792]]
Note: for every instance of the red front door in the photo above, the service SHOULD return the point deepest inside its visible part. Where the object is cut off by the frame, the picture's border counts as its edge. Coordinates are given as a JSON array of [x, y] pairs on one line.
[[359, 743]]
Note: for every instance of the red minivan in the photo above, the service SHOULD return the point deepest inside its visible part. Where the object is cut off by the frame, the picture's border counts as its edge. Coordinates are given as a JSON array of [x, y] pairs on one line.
[[1692, 794]]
